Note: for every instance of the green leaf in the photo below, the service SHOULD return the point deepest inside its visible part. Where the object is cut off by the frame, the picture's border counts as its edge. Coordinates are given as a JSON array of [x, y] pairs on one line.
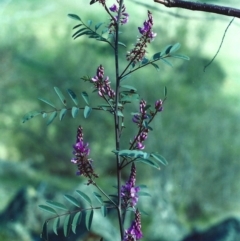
[[156, 56], [47, 209], [62, 113], [74, 111], [30, 115], [119, 113], [79, 31], [47, 102], [98, 197], [78, 25], [180, 56], [155, 66], [85, 97], [74, 16], [73, 96], [57, 205], [44, 234], [104, 211], [84, 196], [131, 88], [159, 158], [149, 162], [165, 91], [122, 44], [66, 225], [76, 221], [72, 200], [60, 95], [87, 111], [97, 26], [56, 224], [44, 115], [52, 117], [143, 194], [167, 62], [132, 153], [166, 50], [88, 220], [87, 32], [144, 61], [175, 48], [89, 22]]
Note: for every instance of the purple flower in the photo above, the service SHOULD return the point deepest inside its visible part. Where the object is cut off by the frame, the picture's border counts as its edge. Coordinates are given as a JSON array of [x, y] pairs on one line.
[[102, 84], [138, 53], [123, 19], [81, 152], [129, 192], [114, 8], [159, 105], [134, 232], [146, 30]]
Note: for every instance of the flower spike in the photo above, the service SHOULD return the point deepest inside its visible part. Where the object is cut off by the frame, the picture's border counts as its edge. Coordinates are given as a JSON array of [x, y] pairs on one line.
[[129, 192], [81, 152], [134, 232]]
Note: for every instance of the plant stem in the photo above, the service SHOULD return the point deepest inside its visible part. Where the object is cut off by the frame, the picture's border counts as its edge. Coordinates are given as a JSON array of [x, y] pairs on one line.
[[116, 121]]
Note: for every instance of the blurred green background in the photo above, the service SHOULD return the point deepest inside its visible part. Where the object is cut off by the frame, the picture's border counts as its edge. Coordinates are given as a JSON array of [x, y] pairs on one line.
[[198, 131]]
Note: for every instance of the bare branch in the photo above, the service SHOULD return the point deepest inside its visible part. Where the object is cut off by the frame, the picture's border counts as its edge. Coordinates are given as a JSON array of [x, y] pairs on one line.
[[204, 7]]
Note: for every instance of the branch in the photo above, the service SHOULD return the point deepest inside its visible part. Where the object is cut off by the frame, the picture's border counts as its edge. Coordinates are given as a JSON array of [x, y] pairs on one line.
[[204, 7]]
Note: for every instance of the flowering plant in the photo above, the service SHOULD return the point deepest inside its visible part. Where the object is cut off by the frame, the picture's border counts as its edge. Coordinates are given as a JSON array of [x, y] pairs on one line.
[[127, 196]]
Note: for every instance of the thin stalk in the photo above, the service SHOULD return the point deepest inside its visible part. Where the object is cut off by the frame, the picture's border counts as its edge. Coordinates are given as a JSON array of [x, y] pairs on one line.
[[116, 121]]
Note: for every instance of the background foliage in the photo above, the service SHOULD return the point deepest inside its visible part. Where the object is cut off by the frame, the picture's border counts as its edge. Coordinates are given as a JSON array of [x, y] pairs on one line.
[[197, 132]]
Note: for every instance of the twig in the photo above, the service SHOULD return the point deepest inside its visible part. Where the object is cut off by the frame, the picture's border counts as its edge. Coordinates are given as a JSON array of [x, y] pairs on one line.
[[219, 46], [204, 7]]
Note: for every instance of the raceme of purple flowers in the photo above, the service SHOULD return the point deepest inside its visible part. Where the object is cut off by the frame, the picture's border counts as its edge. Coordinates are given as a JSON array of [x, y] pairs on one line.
[[124, 15], [134, 232], [147, 35], [102, 84], [81, 152], [129, 192], [146, 30], [139, 118]]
